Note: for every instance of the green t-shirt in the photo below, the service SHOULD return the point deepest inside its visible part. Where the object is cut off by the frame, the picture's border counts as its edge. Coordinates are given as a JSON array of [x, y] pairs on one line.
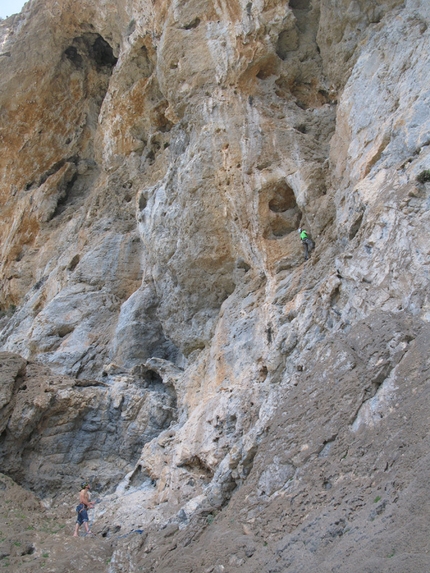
[[303, 235]]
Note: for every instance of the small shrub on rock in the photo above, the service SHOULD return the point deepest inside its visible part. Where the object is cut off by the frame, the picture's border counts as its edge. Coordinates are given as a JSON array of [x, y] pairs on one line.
[[424, 176]]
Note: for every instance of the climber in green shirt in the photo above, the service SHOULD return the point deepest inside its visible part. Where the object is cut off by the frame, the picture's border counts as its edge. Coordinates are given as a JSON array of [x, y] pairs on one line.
[[307, 242]]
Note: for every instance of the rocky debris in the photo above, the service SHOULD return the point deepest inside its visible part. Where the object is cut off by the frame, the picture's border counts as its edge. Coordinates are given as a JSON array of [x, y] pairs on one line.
[[235, 407]]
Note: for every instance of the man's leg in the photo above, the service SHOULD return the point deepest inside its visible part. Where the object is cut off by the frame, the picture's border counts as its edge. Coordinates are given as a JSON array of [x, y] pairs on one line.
[[85, 520], [305, 247], [309, 246], [76, 532]]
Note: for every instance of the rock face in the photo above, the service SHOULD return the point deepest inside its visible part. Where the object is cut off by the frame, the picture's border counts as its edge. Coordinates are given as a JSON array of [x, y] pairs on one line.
[[162, 334], [55, 425]]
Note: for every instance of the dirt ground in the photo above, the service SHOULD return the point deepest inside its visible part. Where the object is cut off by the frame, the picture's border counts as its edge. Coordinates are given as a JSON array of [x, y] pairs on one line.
[[34, 538]]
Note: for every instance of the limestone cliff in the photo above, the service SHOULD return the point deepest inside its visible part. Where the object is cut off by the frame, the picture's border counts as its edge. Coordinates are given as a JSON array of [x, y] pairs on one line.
[[162, 334]]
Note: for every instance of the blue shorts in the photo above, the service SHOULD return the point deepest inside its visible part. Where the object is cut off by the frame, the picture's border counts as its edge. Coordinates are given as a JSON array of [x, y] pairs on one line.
[[82, 513]]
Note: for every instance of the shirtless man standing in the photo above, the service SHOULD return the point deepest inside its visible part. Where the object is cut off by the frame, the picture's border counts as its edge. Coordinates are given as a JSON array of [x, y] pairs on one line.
[[84, 504]]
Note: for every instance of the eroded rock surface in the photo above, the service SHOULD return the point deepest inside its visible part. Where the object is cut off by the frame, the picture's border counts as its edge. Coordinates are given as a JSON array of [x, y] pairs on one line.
[[163, 336], [54, 427]]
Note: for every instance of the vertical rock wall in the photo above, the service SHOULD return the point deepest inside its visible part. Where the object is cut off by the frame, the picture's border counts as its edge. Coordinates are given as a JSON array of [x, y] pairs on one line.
[[159, 160]]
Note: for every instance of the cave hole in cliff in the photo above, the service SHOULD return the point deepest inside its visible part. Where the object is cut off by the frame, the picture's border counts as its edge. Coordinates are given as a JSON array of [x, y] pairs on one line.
[[302, 128], [91, 47], [278, 209], [103, 53], [152, 380], [193, 24], [73, 263], [355, 227], [299, 4], [287, 42], [142, 202], [74, 56]]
